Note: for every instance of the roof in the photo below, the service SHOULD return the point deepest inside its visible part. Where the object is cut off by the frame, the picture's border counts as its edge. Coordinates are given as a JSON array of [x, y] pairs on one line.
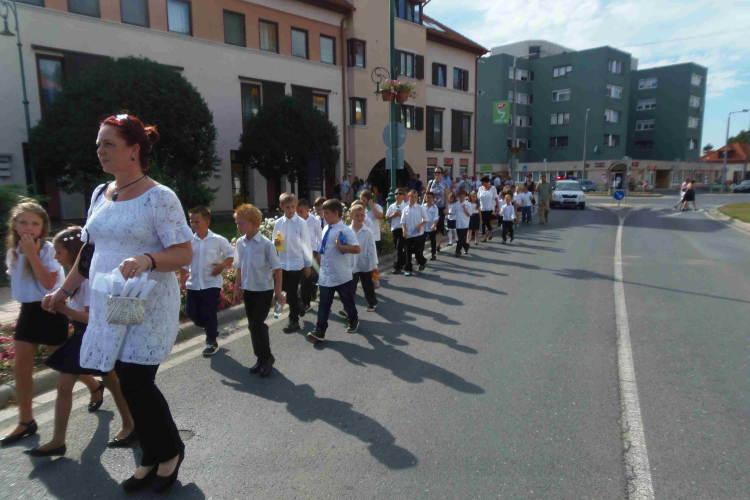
[[341, 6], [440, 33], [738, 153]]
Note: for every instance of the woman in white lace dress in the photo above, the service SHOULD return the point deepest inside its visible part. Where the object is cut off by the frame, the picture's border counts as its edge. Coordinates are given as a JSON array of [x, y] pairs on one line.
[[136, 225]]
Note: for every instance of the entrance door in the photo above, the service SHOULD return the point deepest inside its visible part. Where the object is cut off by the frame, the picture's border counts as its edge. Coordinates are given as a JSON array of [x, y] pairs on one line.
[[381, 178], [240, 187]]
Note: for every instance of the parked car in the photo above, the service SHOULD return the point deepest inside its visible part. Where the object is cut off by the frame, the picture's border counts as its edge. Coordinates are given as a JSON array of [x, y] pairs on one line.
[[568, 194], [587, 185], [742, 187]]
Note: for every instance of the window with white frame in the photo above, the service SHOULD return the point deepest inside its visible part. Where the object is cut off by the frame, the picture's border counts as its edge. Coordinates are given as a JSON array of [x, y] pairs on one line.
[[522, 98], [614, 92], [611, 140], [692, 144], [614, 67], [695, 102], [521, 74], [521, 177], [696, 80], [645, 124], [647, 83], [523, 121], [535, 176], [676, 177], [562, 71], [406, 64], [693, 122], [560, 119], [561, 95], [521, 143], [646, 104], [611, 116], [558, 142]]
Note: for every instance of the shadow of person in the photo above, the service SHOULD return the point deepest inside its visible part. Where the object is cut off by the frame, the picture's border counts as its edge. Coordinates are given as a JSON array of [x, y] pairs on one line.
[[442, 281], [302, 403]]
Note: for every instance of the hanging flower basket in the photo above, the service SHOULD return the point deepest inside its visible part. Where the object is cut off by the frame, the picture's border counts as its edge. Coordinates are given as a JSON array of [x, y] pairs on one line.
[[402, 96], [401, 91], [387, 96]]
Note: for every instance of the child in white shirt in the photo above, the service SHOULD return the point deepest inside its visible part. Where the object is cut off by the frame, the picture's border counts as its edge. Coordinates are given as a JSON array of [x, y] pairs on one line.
[[508, 213], [315, 232], [413, 221], [433, 214], [393, 215], [450, 218], [367, 259], [461, 211]]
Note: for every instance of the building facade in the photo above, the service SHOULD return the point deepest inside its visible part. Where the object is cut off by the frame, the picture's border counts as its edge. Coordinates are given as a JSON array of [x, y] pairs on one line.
[[567, 98]]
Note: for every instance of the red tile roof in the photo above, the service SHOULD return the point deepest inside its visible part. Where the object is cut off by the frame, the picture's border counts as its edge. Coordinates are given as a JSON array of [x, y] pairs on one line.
[[738, 153], [441, 33]]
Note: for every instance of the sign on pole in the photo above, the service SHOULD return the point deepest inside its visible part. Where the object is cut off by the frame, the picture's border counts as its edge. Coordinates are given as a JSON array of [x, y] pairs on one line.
[[501, 112], [399, 159], [486, 168], [525, 168], [619, 194], [400, 135]]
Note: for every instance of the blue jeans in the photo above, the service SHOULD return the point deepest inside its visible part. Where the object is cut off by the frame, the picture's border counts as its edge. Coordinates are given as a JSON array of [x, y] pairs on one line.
[[346, 294], [525, 214], [201, 307]]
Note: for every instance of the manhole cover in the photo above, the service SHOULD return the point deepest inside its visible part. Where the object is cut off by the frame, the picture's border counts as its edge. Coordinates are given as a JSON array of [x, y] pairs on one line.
[[186, 435]]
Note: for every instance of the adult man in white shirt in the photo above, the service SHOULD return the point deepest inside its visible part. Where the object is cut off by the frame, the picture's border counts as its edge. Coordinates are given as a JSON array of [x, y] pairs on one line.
[[413, 221], [345, 189]]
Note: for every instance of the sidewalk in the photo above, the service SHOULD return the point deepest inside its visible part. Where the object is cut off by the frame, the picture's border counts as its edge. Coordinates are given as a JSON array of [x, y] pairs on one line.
[[8, 307]]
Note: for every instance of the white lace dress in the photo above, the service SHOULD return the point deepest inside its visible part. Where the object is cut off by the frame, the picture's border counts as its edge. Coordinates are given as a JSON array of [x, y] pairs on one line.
[[119, 230]]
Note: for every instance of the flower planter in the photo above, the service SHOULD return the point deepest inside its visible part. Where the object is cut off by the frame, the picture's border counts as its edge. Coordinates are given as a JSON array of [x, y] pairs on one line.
[[402, 97], [387, 96]]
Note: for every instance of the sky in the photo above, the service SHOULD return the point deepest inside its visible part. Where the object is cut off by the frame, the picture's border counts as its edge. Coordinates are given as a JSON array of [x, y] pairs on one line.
[[718, 32]]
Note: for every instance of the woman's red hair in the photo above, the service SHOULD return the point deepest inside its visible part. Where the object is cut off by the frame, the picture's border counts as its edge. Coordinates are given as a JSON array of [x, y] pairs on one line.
[[133, 131]]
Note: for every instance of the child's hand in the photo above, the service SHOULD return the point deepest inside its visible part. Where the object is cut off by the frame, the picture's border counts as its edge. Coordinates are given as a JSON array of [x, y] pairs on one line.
[[317, 258], [218, 269], [338, 243], [280, 298], [236, 295], [30, 246]]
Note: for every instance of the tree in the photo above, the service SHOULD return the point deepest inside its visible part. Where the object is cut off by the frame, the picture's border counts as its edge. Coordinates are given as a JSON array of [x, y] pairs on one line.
[[283, 137], [63, 142], [742, 137], [708, 147]]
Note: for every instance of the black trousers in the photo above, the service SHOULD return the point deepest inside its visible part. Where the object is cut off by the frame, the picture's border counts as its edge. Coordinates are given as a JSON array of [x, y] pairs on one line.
[[201, 307], [346, 294], [461, 244], [400, 242], [486, 221], [367, 286], [507, 228], [432, 235], [257, 305], [415, 246], [307, 288], [160, 441], [290, 284]]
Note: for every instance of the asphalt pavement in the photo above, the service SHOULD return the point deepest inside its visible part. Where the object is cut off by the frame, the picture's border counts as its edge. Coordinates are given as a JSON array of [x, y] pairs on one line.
[[490, 376]]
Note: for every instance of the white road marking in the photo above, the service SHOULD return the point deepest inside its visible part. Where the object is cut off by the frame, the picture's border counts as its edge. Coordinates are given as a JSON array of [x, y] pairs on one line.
[[638, 472]]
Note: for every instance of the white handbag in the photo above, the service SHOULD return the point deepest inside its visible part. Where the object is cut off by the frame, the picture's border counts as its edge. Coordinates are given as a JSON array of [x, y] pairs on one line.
[[128, 311]]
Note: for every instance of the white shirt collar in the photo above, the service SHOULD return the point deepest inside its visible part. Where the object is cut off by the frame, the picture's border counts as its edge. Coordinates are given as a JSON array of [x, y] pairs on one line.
[[210, 234]]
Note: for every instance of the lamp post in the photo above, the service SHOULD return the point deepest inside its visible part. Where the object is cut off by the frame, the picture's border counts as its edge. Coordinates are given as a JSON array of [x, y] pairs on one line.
[[5, 7], [585, 136], [513, 113], [726, 150]]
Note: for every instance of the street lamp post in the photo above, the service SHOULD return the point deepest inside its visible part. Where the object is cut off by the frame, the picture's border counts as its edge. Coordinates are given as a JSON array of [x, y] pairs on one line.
[[11, 6], [726, 150], [513, 114], [585, 137], [394, 145]]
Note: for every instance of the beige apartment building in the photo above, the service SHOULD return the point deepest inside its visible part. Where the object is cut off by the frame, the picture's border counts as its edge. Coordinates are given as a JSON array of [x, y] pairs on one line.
[[242, 55]]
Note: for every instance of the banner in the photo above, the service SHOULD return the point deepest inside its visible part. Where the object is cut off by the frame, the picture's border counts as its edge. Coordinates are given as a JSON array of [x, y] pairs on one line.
[[501, 112]]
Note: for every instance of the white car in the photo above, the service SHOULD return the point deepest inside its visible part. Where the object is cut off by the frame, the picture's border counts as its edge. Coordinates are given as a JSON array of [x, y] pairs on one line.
[[568, 194]]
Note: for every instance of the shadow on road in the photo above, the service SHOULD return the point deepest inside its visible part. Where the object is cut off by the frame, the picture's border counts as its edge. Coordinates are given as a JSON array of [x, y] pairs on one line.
[[303, 404]]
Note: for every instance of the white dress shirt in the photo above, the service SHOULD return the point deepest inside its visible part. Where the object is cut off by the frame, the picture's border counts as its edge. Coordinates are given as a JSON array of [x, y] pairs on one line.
[[81, 298], [336, 267], [367, 258], [487, 198], [508, 213], [473, 208], [213, 249], [462, 220], [372, 222], [524, 199], [256, 258], [314, 231], [24, 286], [432, 215], [396, 221], [297, 253], [412, 217]]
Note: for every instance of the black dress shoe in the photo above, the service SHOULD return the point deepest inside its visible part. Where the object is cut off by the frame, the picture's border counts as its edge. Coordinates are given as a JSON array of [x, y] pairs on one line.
[[56, 452], [291, 327], [123, 442], [256, 367], [93, 406], [132, 484], [162, 483], [31, 429], [266, 369]]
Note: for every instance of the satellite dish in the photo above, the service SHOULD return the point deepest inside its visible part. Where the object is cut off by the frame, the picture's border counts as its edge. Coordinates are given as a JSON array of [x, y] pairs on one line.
[[596, 148]]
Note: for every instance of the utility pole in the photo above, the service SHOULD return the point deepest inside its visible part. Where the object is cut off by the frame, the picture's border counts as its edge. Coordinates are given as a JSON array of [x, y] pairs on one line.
[[726, 150], [585, 137], [394, 76]]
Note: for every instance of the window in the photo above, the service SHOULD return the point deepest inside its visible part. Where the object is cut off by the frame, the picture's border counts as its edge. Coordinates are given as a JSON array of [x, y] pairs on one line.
[[560, 119], [408, 10], [562, 71], [644, 145], [85, 7], [356, 53], [406, 65], [439, 74], [693, 122], [327, 49], [299, 43], [434, 135], [407, 117], [250, 95], [234, 28], [523, 121], [561, 95], [50, 71], [460, 79], [695, 102], [614, 92], [647, 83], [269, 36], [520, 143], [646, 104], [692, 144], [358, 111], [521, 74], [558, 142], [645, 124], [611, 116], [134, 12], [611, 141], [614, 67], [466, 132], [696, 80], [178, 17], [320, 102], [522, 98]]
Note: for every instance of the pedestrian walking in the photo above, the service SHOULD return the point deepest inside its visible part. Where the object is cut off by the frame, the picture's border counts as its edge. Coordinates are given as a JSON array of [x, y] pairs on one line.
[[524, 201], [544, 189], [517, 203], [413, 222], [393, 215], [440, 189], [488, 204], [475, 220], [462, 214], [683, 189], [689, 197], [431, 227], [315, 233], [450, 218], [374, 214], [345, 189], [366, 261], [336, 189], [508, 214]]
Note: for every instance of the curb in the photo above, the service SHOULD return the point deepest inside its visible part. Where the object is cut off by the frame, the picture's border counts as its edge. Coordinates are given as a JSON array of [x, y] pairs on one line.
[[730, 221]]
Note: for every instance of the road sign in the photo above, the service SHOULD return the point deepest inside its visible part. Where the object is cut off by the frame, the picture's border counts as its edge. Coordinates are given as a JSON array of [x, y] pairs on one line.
[[400, 135], [525, 168], [399, 159], [619, 194], [486, 168], [501, 112]]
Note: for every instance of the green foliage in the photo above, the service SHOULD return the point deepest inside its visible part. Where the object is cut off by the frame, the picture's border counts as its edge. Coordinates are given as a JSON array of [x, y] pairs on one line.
[[743, 136], [708, 147], [63, 144], [281, 138]]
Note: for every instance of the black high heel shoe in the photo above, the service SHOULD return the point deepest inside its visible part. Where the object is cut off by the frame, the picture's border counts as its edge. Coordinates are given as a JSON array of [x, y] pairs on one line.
[[95, 406], [55, 452], [164, 483], [31, 429], [132, 484], [124, 442]]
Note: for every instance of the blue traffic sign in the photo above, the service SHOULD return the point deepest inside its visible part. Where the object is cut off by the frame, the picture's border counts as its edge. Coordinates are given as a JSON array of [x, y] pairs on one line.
[[619, 194], [400, 135], [525, 168]]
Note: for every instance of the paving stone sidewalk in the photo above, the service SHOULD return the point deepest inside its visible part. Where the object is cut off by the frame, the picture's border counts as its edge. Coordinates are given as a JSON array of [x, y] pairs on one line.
[[8, 307]]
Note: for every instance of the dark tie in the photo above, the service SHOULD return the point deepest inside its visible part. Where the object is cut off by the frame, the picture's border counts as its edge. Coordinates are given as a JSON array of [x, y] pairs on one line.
[[325, 239]]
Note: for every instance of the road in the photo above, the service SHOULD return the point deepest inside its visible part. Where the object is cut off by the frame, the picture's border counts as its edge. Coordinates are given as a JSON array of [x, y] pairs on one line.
[[491, 376]]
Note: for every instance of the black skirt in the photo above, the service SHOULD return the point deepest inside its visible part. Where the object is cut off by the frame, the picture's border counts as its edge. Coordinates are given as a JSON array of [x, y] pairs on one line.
[[451, 223], [37, 326], [474, 222], [67, 358], [689, 195]]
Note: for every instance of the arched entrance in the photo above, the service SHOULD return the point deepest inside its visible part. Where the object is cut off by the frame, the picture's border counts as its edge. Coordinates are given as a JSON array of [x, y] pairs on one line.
[[381, 178], [616, 175]]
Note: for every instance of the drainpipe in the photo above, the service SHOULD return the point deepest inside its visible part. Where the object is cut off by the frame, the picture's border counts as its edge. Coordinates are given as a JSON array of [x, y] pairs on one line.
[[476, 94], [344, 128]]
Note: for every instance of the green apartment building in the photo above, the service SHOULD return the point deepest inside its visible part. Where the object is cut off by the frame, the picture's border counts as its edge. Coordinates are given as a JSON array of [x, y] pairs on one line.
[[556, 87]]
